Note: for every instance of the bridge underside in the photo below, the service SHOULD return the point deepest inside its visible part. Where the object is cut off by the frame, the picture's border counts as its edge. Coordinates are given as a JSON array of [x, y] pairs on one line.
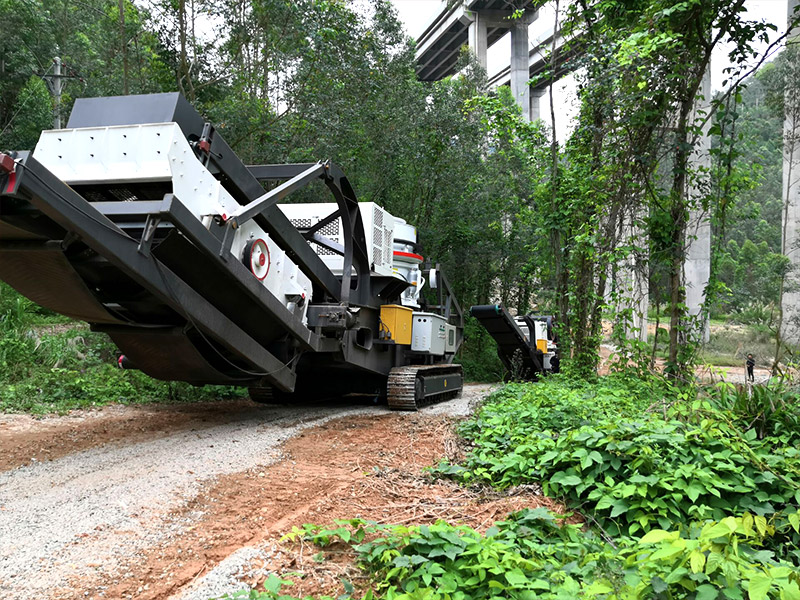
[[439, 45]]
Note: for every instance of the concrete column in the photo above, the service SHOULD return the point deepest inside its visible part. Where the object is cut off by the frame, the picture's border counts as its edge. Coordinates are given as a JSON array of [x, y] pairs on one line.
[[478, 38], [697, 265], [630, 284], [536, 103], [519, 67], [790, 245]]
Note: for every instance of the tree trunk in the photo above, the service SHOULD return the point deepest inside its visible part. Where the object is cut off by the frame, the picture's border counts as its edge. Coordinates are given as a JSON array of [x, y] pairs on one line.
[[675, 367]]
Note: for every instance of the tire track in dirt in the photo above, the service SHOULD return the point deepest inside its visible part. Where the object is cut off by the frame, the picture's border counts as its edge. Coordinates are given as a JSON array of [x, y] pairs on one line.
[[92, 512], [26, 439]]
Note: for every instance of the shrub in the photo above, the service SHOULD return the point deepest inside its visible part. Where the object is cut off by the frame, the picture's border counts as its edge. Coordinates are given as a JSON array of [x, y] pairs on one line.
[[631, 472], [533, 555], [772, 410]]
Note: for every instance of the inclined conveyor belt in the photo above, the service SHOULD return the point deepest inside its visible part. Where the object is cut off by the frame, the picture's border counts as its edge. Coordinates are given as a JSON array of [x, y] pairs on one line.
[[60, 250], [521, 359]]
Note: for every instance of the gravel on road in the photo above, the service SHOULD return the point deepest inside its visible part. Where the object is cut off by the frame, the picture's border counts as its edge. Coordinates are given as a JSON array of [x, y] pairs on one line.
[[92, 511]]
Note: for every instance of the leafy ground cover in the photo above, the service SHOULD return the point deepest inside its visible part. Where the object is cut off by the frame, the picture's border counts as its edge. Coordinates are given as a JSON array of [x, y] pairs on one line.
[[49, 364], [685, 494], [623, 463]]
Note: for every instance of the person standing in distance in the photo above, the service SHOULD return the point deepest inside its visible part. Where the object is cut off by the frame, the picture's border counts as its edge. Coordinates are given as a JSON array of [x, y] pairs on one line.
[[751, 362]]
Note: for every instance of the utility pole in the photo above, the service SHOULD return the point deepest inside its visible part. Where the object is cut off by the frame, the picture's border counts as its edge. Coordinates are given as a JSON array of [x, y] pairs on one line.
[[56, 83]]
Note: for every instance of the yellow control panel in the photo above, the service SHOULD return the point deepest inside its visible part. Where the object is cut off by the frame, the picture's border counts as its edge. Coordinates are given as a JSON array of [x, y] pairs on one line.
[[396, 322]]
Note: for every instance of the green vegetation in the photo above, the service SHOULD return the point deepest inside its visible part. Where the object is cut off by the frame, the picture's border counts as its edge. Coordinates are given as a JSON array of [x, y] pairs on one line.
[[729, 345], [49, 364], [511, 213], [686, 494], [629, 469], [532, 555], [730, 342]]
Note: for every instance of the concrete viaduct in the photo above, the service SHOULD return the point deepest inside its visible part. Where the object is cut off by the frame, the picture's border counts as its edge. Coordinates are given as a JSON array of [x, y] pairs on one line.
[[480, 24]]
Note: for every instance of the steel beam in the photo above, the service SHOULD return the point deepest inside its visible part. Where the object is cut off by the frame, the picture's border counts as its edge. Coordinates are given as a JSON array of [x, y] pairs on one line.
[[262, 203], [278, 172], [140, 208]]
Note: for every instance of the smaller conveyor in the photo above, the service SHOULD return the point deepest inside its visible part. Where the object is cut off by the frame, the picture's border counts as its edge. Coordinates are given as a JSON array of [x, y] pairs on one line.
[[526, 345]]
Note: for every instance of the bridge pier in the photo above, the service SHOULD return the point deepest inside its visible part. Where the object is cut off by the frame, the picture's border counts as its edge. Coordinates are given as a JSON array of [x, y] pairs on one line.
[[627, 283], [519, 67], [697, 263], [480, 22], [790, 242], [536, 95], [479, 37]]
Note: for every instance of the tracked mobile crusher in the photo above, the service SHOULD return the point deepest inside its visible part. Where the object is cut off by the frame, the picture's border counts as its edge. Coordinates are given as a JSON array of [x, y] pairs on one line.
[[139, 219]]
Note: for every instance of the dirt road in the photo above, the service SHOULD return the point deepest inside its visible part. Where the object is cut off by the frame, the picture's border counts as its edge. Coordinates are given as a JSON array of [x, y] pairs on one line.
[[190, 501]]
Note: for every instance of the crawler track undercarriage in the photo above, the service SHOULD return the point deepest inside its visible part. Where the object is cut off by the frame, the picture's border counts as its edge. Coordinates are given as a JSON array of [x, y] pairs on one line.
[[414, 386]]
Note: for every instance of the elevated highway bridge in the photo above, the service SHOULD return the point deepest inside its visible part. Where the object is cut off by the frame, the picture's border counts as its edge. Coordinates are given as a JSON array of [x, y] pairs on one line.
[[479, 24]]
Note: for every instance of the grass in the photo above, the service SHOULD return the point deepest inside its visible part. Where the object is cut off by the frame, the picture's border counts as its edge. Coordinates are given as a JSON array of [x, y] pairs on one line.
[[729, 345], [49, 364]]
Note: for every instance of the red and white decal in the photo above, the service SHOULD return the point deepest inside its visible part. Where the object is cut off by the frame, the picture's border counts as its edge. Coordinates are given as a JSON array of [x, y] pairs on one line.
[[409, 256]]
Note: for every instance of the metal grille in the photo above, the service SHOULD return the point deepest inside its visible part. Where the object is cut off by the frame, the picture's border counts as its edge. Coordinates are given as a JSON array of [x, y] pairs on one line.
[[377, 249], [92, 196], [323, 251], [388, 245], [123, 194], [331, 229]]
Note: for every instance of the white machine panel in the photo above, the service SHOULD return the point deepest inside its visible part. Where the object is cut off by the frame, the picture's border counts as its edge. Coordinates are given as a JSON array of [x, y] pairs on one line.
[[428, 333], [378, 230], [134, 153], [159, 152]]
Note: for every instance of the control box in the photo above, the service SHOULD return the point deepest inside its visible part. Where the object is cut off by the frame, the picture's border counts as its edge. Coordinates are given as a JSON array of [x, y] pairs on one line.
[[429, 333], [450, 341]]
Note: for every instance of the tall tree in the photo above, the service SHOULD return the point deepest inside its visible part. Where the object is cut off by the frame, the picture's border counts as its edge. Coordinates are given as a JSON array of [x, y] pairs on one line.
[[645, 64]]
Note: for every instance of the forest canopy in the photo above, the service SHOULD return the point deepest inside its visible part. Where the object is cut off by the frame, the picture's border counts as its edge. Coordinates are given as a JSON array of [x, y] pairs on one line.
[[512, 214]]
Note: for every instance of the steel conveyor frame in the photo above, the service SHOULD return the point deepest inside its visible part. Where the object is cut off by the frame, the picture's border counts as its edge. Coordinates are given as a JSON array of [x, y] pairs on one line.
[[80, 220], [519, 357]]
